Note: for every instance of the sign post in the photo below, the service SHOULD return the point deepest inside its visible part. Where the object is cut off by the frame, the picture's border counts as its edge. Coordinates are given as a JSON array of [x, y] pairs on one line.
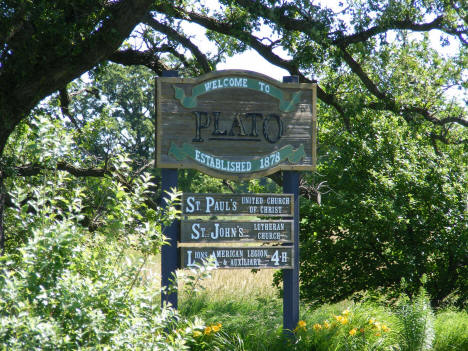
[[237, 125], [291, 276], [169, 253]]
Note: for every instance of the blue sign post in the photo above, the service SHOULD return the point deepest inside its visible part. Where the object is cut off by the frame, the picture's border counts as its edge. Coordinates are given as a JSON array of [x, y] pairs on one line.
[[291, 276], [169, 253]]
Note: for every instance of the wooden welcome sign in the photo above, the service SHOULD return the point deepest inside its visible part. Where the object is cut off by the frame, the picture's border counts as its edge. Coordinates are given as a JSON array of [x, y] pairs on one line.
[[235, 124]]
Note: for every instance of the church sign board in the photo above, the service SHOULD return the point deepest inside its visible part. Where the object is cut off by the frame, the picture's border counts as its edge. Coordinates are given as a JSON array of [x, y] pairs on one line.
[[203, 231], [235, 124], [273, 205]]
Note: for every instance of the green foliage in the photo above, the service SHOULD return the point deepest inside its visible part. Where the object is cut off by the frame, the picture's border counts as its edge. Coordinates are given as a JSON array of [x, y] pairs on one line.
[[54, 28], [67, 288], [451, 330], [193, 279], [116, 112], [256, 321], [359, 327], [40, 145], [417, 323], [194, 181], [392, 207], [346, 325]]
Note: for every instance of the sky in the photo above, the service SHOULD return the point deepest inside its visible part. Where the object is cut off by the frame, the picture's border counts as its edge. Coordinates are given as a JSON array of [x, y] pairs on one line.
[[248, 60], [251, 60]]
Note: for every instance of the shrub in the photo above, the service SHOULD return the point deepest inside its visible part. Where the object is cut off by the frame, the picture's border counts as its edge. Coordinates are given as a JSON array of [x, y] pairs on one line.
[[68, 289], [416, 321], [391, 208]]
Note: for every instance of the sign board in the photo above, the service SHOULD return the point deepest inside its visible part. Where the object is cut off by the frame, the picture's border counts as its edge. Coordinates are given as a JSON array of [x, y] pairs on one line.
[[239, 257], [202, 231], [235, 124], [273, 205]]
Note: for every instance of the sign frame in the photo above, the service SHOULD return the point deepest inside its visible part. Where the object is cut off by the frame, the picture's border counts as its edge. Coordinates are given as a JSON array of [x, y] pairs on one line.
[[171, 253]]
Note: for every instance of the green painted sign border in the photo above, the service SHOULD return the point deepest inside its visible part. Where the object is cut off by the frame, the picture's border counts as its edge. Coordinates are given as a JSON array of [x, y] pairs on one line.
[[230, 82], [252, 164]]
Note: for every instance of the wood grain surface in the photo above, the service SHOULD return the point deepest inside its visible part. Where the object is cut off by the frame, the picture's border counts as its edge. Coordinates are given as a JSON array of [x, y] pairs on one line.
[[234, 124]]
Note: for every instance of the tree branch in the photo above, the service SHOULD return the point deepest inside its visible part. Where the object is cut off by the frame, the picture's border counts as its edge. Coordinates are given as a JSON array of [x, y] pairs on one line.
[[430, 117], [310, 28], [65, 107], [345, 40], [146, 58], [2, 211], [19, 93], [357, 69], [36, 169], [174, 35]]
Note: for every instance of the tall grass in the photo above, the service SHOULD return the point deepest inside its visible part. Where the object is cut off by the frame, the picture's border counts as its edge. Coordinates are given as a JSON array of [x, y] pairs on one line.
[[451, 329], [250, 311], [244, 302], [416, 320], [236, 284]]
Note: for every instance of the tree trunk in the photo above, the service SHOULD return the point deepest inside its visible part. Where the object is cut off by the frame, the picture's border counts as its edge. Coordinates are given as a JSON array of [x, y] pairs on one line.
[[2, 209], [21, 91]]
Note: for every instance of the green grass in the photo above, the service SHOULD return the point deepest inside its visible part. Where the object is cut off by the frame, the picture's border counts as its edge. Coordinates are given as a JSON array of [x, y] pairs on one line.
[[248, 307], [451, 331]]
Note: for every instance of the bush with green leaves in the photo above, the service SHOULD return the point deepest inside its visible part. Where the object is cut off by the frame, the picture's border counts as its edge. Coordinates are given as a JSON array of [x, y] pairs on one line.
[[392, 207], [416, 322], [67, 288]]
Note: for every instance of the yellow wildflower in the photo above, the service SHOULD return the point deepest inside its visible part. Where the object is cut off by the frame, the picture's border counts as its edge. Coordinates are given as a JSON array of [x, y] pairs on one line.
[[207, 331], [377, 334], [344, 320], [371, 321], [353, 331], [317, 326], [326, 325], [339, 318], [300, 325], [197, 333], [219, 325], [215, 328], [345, 312], [385, 328], [377, 325]]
